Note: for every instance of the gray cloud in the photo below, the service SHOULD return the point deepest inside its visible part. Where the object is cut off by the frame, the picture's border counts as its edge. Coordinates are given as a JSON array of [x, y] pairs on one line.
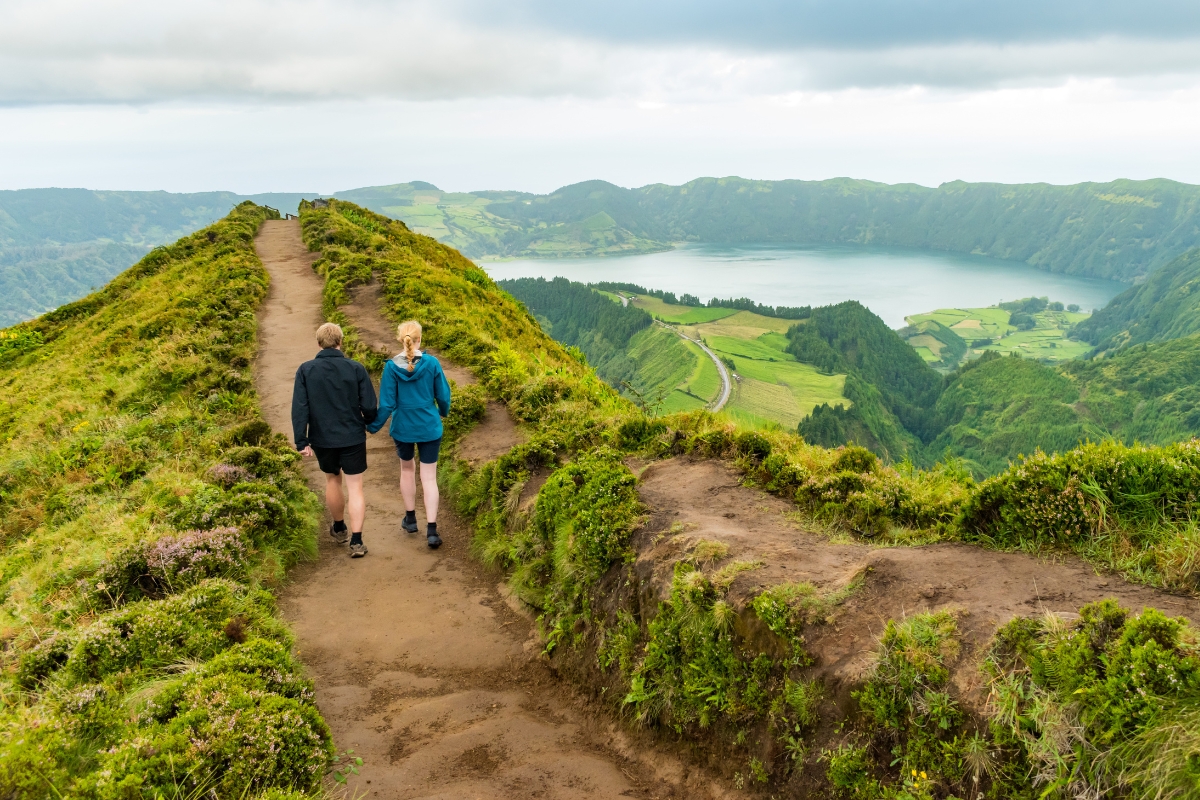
[[135, 51]]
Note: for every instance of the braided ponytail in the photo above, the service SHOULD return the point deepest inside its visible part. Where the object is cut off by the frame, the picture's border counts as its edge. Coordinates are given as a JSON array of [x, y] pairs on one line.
[[409, 333]]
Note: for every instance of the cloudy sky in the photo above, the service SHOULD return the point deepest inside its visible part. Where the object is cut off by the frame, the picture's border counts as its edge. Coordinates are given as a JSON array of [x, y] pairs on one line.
[[320, 95]]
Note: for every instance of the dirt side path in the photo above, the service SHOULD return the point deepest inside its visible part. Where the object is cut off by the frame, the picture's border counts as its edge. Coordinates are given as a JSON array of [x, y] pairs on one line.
[[705, 500], [419, 665]]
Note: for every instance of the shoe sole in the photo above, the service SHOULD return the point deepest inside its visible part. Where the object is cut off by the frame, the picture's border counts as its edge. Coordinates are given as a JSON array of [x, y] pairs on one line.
[[358, 554], [407, 529], [433, 546]]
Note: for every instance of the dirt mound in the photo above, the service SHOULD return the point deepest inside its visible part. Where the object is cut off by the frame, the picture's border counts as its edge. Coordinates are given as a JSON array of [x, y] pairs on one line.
[[419, 665], [691, 501]]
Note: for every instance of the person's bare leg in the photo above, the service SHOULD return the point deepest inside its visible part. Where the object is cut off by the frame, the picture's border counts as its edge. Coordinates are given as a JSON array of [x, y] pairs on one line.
[[356, 507], [335, 501], [429, 489], [408, 484]]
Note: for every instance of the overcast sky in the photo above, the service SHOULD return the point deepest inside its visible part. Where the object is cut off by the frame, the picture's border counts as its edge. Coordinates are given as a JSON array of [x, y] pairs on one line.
[[321, 95]]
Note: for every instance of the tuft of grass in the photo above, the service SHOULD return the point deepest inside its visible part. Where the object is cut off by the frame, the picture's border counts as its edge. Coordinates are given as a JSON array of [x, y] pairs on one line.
[[708, 551]]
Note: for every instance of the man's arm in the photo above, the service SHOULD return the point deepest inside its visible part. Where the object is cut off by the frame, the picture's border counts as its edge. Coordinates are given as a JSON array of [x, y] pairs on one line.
[[300, 411], [366, 396]]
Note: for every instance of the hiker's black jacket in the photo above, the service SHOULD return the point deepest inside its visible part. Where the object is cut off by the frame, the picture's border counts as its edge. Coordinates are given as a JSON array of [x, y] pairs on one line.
[[332, 402]]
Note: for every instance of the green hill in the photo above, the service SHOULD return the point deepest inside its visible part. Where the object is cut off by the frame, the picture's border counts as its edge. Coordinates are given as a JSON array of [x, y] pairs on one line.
[[891, 386], [1121, 230], [1166, 306], [57, 245], [144, 507]]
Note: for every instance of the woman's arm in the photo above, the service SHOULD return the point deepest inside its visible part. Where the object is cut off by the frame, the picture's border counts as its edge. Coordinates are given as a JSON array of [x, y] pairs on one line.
[[441, 392], [387, 398]]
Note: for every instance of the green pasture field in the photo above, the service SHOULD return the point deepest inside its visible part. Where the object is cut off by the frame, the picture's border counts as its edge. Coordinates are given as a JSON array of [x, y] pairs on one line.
[[1046, 342], [747, 348], [748, 325], [969, 323], [785, 392], [925, 353], [680, 315]]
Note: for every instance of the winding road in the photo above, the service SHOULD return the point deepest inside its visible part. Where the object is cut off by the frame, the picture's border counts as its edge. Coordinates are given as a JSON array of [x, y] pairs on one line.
[[726, 383]]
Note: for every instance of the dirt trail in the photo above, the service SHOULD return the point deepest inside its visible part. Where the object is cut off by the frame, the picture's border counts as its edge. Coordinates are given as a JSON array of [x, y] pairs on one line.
[[420, 666], [704, 500]]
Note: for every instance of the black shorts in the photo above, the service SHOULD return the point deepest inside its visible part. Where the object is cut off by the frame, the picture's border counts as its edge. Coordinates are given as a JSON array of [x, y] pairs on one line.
[[351, 460], [427, 450]]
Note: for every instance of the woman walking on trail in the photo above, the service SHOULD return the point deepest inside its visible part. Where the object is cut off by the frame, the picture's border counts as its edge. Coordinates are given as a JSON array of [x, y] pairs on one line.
[[415, 393]]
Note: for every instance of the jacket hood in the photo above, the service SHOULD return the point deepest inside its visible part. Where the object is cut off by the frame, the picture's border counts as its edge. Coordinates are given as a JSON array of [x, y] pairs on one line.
[[423, 364]]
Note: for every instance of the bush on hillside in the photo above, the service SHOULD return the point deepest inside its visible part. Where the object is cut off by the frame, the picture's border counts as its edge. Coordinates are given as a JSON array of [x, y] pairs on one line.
[[1070, 497]]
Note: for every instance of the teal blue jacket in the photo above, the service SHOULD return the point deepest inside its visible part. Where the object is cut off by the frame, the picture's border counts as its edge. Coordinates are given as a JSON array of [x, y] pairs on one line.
[[416, 401]]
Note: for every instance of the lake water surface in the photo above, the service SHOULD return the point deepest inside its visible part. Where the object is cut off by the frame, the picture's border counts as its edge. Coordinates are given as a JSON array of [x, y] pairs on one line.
[[892, 282]]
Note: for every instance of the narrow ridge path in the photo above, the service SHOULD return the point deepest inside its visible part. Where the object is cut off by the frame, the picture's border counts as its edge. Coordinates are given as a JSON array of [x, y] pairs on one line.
[[420, 666]]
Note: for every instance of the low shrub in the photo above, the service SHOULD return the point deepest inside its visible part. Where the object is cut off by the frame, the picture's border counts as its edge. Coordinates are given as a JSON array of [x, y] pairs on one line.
[[171, 563], [1095, 705], [693, 671]]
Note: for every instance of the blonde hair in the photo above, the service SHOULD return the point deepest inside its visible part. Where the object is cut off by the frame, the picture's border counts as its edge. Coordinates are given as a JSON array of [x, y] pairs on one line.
[[409, 334], [329, 335]]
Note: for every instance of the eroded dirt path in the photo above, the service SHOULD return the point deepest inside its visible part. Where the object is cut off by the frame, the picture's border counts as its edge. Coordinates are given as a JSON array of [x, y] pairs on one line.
[[419, 665]]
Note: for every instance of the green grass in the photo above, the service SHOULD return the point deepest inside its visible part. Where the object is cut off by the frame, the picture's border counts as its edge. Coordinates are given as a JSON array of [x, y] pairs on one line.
[[747, 348], [680, 315], [775, 388], [704, 380], [969, 323]]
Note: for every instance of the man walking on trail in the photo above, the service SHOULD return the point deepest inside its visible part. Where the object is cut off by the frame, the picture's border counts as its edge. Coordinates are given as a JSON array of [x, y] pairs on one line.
[[332, 403]]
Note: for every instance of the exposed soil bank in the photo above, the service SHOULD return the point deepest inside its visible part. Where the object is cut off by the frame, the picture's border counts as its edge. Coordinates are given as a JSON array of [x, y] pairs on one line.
[[419, 665]]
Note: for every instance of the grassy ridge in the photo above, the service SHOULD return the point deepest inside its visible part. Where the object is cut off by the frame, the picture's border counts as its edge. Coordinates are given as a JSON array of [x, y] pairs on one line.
[[681, 662], [145, 508]]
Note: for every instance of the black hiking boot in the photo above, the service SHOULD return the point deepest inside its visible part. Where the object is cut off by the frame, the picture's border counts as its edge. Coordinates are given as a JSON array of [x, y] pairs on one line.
[[342, 536], [409, 523], [432, 539]]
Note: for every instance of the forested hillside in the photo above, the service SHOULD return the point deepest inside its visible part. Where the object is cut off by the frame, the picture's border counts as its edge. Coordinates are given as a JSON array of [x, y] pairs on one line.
[[1166, 306], [56, 245], [892, 387], [579, 317], [1121, 230]]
